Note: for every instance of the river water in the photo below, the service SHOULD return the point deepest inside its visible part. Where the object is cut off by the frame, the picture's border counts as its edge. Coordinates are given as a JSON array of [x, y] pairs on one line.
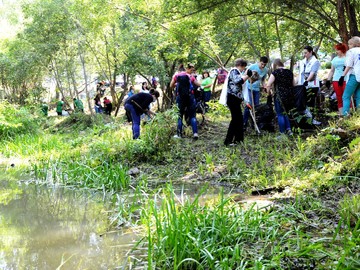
[[58, 228], [53, 227]]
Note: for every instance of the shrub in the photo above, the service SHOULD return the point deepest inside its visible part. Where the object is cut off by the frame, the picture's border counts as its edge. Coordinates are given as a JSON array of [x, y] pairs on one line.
[[16, 120]]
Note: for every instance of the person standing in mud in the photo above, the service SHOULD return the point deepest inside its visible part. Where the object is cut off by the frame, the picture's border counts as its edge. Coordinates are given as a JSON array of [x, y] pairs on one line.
[[236, 79]]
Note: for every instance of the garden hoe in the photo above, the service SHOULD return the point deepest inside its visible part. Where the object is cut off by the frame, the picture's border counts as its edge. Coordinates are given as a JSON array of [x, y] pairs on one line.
[[252, 111]]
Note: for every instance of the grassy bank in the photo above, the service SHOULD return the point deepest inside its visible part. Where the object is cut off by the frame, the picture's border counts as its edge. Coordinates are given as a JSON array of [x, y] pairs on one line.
[[311, 180]]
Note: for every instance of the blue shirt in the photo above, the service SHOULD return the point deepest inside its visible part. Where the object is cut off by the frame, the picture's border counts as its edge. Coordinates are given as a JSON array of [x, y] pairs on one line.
[[262, 76], [339, 64]]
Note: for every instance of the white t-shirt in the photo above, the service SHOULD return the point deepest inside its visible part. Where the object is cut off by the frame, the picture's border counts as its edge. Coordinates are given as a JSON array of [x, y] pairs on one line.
[[353, 61]]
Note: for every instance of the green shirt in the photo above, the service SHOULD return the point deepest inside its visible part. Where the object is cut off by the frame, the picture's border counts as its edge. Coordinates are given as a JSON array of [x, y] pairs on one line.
[[45, 109], [206, 81], [78, 105], [59, 106]]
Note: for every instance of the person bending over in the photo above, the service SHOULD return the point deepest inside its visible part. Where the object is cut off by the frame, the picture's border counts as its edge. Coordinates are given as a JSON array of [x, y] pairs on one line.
[[137, 105]]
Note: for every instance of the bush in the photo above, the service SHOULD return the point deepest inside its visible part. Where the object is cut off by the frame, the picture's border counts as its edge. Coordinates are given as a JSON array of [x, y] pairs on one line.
[[326, 65], [15, 120], [155, 139]]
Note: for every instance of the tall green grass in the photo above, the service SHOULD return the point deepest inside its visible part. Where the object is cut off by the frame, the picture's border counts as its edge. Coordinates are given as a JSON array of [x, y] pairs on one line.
[[16, 120], [186, 234], [86, 173]]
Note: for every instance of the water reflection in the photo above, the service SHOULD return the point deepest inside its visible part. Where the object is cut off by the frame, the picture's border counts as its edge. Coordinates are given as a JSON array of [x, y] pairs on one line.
[[47, 228]]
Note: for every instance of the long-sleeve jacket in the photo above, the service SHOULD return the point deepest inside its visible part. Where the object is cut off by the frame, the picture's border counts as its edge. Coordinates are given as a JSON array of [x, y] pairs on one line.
[[235, 83]]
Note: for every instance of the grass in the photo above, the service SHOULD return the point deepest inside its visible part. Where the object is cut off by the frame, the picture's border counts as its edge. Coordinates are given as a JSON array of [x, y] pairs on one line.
[[185, 234], [314, 225]]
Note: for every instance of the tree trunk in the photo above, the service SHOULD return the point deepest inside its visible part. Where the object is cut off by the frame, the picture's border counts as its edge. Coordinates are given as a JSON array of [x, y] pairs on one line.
[[278, 35], [119, 100], [113, 83], [350, 8], [343, 32], [58, 82], [82, 59]]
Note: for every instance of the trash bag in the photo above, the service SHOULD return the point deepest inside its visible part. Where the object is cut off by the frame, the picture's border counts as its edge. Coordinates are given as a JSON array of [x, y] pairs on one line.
[[265, 115]]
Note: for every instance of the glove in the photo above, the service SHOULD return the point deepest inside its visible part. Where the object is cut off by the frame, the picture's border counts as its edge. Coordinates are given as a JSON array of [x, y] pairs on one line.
[[305, 83], [201, 87], [341, 81], [327, 84], [249, 72], [240, 96]]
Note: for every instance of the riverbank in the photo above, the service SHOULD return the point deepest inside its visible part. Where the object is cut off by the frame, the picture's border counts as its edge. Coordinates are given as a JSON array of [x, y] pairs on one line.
[[312, 180]]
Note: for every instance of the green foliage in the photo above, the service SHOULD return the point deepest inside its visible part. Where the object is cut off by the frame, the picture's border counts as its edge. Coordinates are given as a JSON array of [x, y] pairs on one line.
[[16, 120], [90, 173], [350, 211], [78, 122], [155, 139], [186, 234]]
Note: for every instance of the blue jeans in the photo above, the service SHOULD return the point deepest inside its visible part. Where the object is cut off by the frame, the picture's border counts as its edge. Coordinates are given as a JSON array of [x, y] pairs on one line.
[[135, 117], [352, 88], [256, 95], [98, 109], [283, 119], [188, 107]]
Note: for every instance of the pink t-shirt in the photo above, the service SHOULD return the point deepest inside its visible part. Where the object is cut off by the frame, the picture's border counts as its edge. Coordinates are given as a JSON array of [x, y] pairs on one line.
[[192, 78]]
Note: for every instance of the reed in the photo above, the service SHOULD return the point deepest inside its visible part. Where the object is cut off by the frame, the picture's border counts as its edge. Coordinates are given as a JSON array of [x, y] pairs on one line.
[[185, 234]]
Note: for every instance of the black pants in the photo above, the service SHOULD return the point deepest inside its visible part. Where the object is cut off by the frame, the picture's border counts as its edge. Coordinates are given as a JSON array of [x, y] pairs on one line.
[[235, 133], [108, 109]]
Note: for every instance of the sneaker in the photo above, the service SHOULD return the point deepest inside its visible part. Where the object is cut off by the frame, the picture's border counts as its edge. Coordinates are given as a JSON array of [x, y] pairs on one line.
[[289, 132], [316, 123], [177, 137], [308, 113], [281, 137], [195, 136]]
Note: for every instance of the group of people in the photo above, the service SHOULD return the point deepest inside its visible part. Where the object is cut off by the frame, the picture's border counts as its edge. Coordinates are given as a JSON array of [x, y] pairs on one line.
[[60, 106], [345, 75], [105, 108], [244, 86], [281, 85], [185, 84], [79, 106]]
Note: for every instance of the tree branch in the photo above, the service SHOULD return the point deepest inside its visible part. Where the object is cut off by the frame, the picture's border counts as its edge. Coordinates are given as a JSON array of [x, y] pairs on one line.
[[309, 26]]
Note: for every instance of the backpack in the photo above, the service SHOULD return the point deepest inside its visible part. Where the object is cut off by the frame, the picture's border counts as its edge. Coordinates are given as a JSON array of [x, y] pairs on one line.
[[221, 75], [183, 86]]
